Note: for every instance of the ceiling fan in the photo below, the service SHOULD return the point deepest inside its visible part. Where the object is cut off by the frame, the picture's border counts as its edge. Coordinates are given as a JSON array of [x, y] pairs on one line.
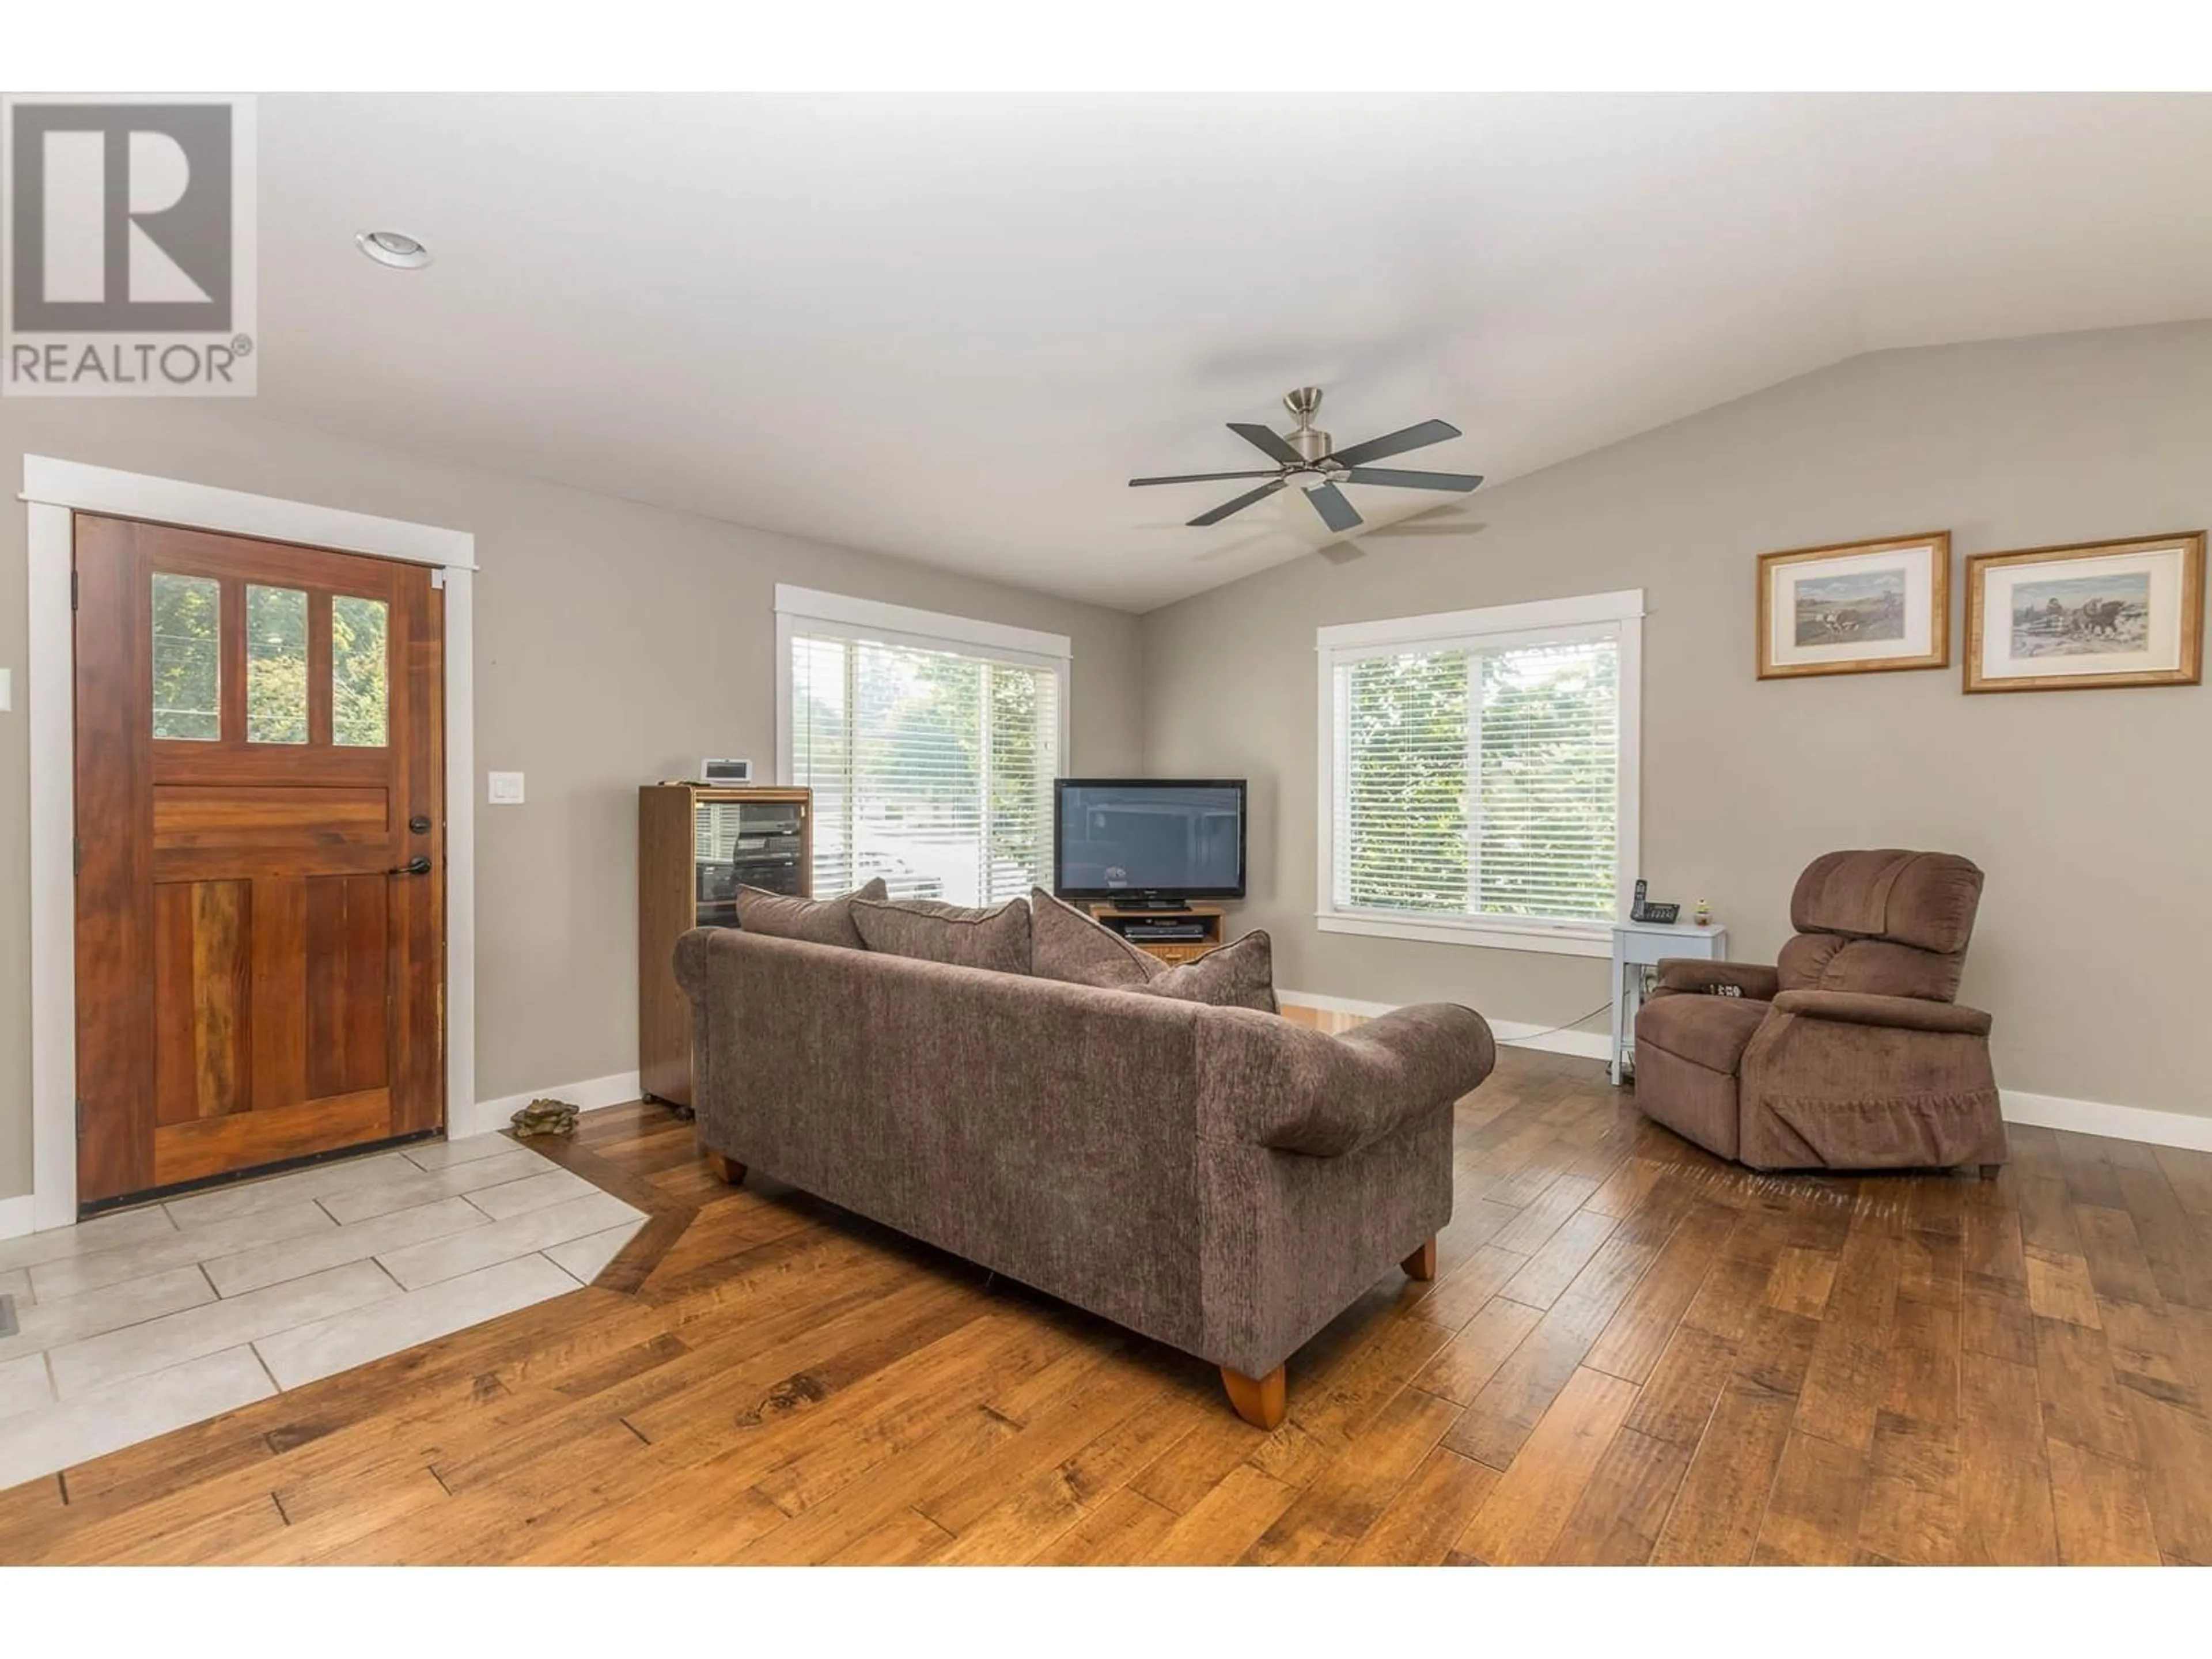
[[1306, 456]]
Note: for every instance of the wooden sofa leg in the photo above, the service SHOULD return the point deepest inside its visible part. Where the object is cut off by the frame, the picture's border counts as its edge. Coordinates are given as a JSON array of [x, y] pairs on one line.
[[1422, 1264], [726, 1169], [1990, 1171], [1260, 1401]]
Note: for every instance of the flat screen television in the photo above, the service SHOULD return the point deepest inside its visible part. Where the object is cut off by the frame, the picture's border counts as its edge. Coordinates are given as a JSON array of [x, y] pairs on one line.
[[1148, 841]]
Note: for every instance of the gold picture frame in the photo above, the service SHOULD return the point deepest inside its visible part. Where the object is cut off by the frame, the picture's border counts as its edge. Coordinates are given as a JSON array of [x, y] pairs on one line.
[[2087, 617], [1874, 607]]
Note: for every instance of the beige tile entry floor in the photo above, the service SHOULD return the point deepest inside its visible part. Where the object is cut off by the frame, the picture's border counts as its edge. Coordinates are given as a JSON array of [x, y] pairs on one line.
[[142, 1322]]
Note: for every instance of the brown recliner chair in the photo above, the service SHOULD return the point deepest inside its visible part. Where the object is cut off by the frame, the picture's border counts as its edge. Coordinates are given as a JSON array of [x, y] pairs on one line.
[[1849, 1054]]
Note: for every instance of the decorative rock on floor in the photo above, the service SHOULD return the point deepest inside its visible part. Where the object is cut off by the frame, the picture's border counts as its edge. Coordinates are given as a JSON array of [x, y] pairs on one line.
[[545, 1117]]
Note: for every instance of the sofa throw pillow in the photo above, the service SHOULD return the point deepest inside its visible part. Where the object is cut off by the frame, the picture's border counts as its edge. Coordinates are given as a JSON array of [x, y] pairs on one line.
[[1067, 945], [817, 921], [1236, 975], [997, 939]]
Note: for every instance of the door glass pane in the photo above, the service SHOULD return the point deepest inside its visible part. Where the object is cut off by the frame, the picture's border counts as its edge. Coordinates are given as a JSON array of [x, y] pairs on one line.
[[187, 659], [275, 665], [361, 698]]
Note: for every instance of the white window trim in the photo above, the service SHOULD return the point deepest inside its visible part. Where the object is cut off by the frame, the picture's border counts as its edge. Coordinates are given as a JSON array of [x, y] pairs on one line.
[[1617, 615], [54, 492], [805, 610]]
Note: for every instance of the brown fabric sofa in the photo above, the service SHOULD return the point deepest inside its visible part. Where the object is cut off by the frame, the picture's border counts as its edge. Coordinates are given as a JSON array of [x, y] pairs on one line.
[[1849, 1053], [1221, 1180]]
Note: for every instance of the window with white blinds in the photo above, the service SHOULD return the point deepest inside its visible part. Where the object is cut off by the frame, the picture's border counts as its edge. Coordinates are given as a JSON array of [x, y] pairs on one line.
[[931, 758], [1480, 773]]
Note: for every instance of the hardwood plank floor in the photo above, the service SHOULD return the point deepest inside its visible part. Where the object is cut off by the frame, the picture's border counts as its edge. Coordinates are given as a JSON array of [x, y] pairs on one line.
[[1631, 1352]]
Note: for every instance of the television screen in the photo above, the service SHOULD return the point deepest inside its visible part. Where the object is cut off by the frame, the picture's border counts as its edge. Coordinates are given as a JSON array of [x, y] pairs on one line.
[[1181, 837]]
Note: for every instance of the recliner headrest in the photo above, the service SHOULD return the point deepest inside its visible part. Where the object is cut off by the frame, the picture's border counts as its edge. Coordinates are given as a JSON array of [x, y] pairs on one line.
[[1926, 900]]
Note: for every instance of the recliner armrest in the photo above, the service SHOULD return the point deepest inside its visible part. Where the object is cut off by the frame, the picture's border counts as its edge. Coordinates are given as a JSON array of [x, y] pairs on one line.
[[1754, 980], [1898, 1013], [1298, 1091]]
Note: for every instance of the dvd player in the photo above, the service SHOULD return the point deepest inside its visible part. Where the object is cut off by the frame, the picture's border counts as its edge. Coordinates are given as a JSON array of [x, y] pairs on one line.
[[1164, 932]]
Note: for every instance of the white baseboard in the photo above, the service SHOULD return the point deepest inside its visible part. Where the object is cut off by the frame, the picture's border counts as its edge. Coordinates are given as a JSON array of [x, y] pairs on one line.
[[589, 1096], [2098, 1117], [2089, 1117], [1583, 1045], [15, 1215], [1321, 1003]]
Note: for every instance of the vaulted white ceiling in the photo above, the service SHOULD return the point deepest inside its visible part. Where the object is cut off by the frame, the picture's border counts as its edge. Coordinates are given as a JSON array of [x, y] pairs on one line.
[[949, 329]]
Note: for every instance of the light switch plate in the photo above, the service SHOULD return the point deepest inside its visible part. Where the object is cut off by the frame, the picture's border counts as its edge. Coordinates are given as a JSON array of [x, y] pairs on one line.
[[506, 789], [7, 689]]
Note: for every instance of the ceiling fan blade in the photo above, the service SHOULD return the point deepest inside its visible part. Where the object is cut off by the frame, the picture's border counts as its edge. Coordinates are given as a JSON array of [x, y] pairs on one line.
[[1202, 477], [1338, 513], [1267, 440], [1462, 482], [1239, 504], [1397, 443]]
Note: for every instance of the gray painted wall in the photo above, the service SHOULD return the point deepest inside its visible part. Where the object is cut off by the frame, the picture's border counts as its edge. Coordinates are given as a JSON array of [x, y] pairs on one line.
[[615, 644], [2087, 809]]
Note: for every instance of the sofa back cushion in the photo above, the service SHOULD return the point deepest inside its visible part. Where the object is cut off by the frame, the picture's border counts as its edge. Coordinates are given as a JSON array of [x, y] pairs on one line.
[[1887, 922], [1241, 975], [1067, 946], [813, 921], [996, 939], [1829, 961], [1925, 900]]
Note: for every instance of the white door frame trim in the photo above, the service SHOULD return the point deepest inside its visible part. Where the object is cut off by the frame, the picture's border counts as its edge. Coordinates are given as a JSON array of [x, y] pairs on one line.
[[53, 492]]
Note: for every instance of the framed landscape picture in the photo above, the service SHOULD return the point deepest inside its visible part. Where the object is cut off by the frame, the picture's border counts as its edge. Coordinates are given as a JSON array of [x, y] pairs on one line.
[[2078, 618], [1856, 608]]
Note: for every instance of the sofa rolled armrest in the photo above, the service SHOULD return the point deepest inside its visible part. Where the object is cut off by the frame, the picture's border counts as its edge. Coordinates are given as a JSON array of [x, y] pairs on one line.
[[1754, 980], [693, 955], [1297, 1091], [1898, 1013]]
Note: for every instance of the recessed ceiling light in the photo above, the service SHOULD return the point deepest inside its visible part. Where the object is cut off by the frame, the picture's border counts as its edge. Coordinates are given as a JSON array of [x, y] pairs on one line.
[[394, 248]]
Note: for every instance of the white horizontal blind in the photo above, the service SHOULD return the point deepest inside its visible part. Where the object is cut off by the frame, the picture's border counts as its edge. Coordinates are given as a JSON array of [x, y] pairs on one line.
[[1479, 781], [930, 768]]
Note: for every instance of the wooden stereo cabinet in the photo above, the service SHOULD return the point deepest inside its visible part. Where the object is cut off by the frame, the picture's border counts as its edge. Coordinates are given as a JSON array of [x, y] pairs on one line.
[[1206, 917], [695, 844]]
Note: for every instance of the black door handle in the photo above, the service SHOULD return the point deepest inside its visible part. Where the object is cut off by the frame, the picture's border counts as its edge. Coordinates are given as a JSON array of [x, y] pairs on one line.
[[417, 865]]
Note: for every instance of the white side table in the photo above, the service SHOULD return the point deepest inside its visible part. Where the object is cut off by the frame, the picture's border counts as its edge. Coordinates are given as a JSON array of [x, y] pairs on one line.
[[1637, 946]]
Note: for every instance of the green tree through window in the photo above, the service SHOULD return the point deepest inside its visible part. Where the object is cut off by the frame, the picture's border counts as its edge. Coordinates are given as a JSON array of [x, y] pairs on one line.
[[1404, 826], [275, 665], [1480, 781], [931, 768], [361, 691], [187, 658]]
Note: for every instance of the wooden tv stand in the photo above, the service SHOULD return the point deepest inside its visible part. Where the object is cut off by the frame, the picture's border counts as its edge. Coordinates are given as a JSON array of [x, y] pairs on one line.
[[1168, 951]]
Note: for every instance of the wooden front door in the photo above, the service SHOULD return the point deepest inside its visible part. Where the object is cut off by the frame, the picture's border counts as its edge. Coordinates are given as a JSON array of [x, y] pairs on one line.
[[260, 819]]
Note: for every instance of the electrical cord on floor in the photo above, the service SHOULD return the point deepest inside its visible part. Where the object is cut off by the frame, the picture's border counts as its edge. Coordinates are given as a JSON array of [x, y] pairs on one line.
[[1550, 1030]]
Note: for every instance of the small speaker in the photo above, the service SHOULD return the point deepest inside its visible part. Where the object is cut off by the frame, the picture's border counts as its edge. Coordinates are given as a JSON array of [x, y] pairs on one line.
[[725, 771]]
